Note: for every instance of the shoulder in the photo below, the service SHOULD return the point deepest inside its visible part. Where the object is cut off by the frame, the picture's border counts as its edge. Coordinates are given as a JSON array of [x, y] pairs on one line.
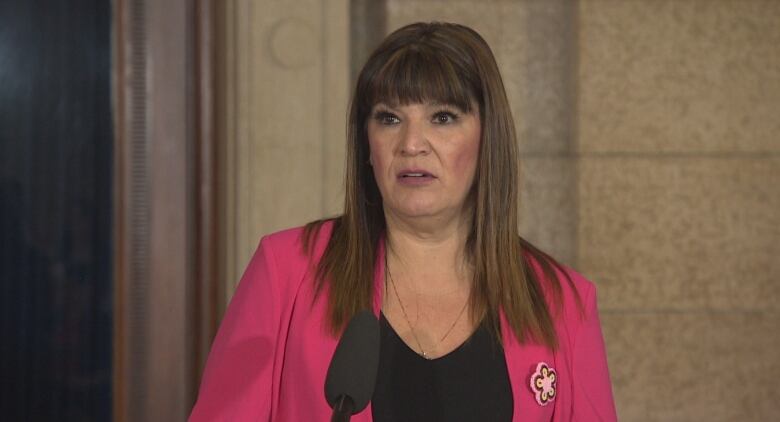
[[576, 290], [288, 247], [575, 309], [577, 286], [281, 262], [289, 243], [570, 296]]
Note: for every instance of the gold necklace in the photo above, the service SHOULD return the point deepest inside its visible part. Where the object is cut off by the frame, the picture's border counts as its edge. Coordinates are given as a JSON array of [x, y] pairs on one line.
[[422, 353]]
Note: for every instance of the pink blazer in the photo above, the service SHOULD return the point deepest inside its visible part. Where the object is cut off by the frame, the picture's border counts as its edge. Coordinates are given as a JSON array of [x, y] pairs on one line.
[[271, 354]]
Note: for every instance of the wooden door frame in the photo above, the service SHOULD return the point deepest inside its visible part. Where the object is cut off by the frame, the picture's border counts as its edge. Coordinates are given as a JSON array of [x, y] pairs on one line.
[[166, 294]]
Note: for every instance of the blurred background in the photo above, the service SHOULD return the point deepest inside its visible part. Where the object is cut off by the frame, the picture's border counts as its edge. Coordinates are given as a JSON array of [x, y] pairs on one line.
[[146, 146]]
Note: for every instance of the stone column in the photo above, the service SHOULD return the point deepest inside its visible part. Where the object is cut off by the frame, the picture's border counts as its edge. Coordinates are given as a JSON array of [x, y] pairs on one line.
[[287, 76]]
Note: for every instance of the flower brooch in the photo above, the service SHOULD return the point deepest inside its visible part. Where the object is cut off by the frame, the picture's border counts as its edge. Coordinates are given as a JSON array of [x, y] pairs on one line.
[[543, 383]]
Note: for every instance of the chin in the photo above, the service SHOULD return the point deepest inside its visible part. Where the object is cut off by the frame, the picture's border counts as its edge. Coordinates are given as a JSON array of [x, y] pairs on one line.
[[419, 210]]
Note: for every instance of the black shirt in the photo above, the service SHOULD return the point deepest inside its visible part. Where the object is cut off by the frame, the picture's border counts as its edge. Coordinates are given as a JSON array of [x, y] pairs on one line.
[[471, 383]]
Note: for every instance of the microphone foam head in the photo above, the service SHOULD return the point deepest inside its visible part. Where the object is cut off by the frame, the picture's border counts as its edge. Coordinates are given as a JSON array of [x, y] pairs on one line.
[[353, 369]]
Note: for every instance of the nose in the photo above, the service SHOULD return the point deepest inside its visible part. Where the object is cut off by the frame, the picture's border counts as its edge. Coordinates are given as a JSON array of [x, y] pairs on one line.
[[414, 140]]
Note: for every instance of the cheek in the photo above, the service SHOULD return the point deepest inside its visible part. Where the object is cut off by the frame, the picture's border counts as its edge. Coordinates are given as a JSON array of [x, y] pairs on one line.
[[373, 152], [374, 156], [378, 158], [465, 160]]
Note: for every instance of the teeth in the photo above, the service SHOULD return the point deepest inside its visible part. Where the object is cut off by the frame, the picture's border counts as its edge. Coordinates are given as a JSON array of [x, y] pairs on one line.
[[413, 175]]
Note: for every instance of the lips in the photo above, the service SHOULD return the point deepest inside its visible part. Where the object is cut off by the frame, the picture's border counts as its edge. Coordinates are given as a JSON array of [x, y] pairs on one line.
[[415, 173], [415, 178]]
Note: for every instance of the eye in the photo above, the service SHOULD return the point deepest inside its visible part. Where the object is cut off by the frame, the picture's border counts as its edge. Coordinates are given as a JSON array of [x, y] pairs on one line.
[[386, 118], [444, 117]]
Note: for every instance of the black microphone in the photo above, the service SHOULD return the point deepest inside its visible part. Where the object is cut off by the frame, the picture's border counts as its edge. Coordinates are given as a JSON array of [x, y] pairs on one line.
[[351, 377]]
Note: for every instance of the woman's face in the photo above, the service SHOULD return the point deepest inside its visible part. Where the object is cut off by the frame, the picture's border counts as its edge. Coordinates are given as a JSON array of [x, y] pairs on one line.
[[424, 157]]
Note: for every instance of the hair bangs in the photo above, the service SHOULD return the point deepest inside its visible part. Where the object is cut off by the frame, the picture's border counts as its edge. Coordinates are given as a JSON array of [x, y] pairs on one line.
[[418, 75]]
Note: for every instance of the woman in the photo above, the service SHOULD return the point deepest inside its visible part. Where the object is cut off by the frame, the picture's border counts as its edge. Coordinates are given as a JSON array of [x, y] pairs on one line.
[[476, 324]]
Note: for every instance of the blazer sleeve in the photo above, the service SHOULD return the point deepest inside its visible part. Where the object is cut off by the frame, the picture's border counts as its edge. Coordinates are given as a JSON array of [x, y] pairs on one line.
[[237, 381], [592, 390]]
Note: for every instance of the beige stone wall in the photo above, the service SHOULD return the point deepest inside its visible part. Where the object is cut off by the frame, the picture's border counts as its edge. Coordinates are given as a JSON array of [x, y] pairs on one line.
[[679, 202], [650, 153], [287, 77]]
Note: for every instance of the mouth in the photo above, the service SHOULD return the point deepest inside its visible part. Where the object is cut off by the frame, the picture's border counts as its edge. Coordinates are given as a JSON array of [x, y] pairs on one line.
[[415, 178], [415, 174]]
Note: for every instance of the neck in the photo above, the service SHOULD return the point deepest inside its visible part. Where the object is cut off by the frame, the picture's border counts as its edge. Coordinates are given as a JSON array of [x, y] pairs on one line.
[[431, 253]]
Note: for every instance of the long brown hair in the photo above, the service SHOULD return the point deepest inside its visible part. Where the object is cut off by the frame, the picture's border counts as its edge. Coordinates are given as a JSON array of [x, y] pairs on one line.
[[451, 64]]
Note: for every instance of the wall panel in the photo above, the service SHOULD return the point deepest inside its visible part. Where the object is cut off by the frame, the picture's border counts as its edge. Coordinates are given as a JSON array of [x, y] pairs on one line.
[[679, 199], [289, 65]]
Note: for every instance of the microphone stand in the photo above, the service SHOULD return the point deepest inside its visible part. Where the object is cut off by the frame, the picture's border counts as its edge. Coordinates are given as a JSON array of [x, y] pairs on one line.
[[343, 409]]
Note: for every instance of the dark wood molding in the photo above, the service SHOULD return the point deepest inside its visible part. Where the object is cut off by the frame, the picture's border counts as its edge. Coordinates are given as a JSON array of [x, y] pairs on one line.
[[367, 29], [131, 223], [165, 207], [207, 291]]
